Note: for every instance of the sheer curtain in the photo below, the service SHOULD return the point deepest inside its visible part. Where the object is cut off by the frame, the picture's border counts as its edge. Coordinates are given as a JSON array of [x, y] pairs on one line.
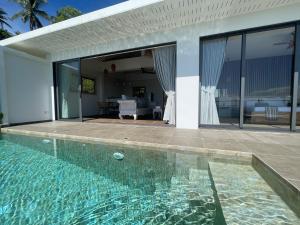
[[165, 67], [212, 64]]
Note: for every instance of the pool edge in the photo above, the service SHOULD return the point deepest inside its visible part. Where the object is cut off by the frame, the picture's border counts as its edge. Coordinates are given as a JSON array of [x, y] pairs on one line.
[[211, 153], [285, 189]]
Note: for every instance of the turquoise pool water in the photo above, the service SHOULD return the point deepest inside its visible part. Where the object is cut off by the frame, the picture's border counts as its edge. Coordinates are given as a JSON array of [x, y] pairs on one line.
[[65, 182], [51, 181]]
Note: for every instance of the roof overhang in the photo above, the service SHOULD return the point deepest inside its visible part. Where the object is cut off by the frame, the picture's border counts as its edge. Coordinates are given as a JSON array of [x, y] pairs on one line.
[[131, 18]]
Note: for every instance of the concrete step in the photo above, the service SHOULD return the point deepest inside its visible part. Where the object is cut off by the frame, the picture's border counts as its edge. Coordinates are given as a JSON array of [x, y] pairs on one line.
[[246, 198]]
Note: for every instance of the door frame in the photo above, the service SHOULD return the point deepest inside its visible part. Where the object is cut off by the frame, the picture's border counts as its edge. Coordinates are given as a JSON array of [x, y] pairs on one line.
[[56, 87], [55, 63]]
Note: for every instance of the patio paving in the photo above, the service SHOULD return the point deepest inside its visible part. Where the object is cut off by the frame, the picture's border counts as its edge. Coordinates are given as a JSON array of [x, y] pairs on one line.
[[279, 151]]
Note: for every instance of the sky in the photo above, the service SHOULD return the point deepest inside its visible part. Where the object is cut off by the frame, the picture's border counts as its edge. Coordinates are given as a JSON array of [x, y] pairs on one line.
[[51, 7]]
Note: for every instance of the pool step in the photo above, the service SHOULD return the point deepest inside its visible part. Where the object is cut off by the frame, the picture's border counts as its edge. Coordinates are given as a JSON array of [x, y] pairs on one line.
[[246, 198]]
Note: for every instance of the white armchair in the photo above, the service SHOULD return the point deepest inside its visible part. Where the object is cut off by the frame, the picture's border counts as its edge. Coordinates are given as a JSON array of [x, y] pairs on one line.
[[127, 108], [130, 108]]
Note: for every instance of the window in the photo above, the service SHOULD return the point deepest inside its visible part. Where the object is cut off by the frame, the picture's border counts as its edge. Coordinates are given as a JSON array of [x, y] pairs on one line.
[[88, 85]]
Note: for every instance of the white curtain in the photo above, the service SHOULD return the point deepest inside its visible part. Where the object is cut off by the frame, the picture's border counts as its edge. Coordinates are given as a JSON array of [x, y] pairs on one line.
[[212, 64], [165, 67]]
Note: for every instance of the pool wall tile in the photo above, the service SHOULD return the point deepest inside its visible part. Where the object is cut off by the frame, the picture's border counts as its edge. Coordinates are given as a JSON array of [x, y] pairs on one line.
[[246, 198], [289, 193]]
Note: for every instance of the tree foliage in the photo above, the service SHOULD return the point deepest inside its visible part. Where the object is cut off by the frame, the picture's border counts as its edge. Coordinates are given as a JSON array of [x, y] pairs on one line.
[[3, 19], [65, 13], [31, 12], [4, 34]]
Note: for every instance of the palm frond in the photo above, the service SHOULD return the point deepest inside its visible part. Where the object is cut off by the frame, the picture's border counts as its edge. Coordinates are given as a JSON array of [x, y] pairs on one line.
[[4, 22], [19, 14], [42, 14], [31, 12], [2, 12], [38, 23]]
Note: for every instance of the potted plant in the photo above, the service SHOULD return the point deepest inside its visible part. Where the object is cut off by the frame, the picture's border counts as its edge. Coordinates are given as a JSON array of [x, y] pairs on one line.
[[1, 118]]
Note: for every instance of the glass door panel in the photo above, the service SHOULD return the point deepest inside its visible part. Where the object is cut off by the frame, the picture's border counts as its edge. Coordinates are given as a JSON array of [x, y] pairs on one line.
[[268, 76], [228, 89], [69, 90], [298, 103], [297, 73], [220, 81]]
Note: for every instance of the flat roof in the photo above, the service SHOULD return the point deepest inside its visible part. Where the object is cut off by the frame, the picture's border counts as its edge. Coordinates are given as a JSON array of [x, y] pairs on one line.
[[131, 18]]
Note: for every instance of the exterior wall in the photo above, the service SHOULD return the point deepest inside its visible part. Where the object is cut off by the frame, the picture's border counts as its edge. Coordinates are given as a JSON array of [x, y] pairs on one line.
[[28, 82], [187, 84], [3, 88], [187, 38]]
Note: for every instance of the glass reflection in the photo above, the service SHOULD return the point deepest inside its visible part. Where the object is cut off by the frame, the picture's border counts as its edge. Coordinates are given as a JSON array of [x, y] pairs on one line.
[[68, 79], [269, 61]]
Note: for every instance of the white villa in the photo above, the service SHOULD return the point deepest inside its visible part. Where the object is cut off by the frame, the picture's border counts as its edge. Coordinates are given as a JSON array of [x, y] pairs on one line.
[[190, 63]]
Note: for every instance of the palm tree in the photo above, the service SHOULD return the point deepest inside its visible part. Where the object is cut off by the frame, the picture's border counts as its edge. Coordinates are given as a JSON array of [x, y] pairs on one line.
[[31, 12], [65, 13], [3, 19]]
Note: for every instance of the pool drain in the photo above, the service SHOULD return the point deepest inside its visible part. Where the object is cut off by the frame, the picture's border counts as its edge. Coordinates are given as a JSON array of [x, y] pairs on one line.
[[118, 156], [46, 141]]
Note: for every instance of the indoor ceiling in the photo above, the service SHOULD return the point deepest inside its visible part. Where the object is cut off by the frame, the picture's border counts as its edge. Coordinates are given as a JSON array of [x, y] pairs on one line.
[[131, 18]]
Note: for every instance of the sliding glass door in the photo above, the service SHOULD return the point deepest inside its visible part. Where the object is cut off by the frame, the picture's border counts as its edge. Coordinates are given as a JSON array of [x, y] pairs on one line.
[[220, 81], [251, 78], [68, 90], [268, 74]]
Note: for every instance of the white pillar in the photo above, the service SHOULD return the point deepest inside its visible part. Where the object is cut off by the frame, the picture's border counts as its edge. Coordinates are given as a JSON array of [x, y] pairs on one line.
[[52, 89], [3, 87], [187, 83]]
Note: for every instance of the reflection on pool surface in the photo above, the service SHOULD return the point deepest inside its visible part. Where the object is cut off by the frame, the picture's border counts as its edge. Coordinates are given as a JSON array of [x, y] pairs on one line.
[[65, 182]]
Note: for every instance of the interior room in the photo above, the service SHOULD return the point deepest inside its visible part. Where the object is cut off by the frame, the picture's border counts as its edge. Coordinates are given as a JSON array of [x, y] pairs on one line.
[[121, 87]]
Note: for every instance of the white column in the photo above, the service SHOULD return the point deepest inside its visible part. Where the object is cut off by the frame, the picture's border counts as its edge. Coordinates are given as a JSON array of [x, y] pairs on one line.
[[3, 86], [187, 83]]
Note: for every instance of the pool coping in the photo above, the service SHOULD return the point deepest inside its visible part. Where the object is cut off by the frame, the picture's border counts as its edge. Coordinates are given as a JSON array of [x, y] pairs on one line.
[[228, 154], [285, 189], [278, 183]]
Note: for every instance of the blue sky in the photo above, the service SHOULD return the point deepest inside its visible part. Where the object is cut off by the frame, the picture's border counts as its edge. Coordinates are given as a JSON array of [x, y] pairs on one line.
[[84, 6]]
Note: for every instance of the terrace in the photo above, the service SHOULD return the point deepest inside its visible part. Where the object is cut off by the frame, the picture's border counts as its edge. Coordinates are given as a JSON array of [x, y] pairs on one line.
[[275, 155]]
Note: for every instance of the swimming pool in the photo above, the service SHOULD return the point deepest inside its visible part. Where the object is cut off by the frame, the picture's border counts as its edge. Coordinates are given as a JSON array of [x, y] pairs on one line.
[[52, 181]]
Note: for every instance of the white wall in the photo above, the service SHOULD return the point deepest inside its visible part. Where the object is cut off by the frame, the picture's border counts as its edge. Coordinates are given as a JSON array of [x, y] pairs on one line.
[[187, 38], [28, 84], [3, 87], [187, 84]]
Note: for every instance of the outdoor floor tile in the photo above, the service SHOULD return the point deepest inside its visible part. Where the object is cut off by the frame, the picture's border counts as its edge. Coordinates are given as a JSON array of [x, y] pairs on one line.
[[287, 167], [296, 183], [281, 151]]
